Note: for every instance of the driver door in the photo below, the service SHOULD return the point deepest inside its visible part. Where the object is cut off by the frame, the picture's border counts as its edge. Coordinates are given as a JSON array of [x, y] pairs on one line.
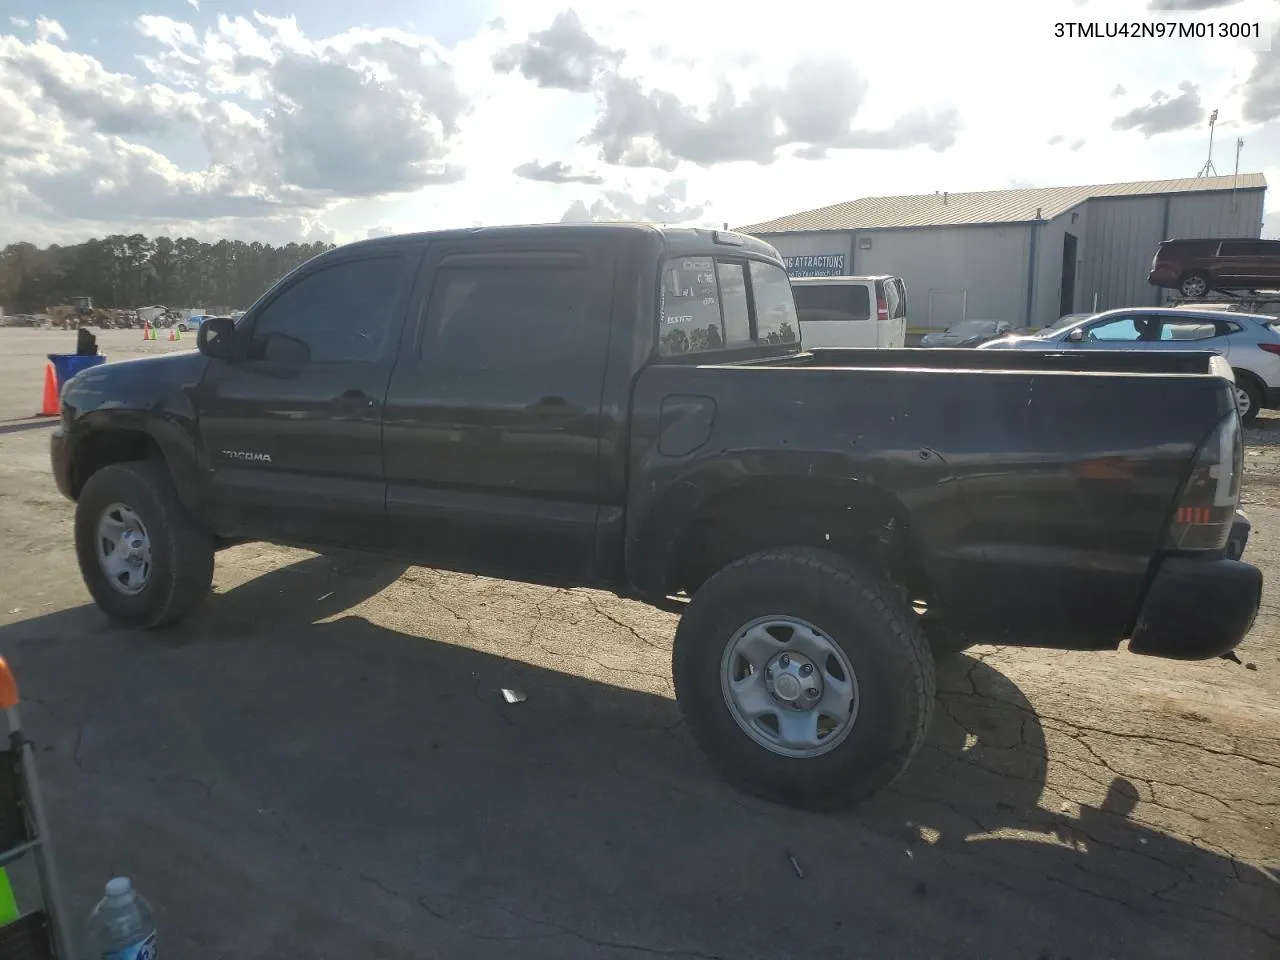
[[291, 428]]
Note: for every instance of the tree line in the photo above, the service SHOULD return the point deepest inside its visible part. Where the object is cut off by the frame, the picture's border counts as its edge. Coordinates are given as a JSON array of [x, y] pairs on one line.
[[125, 272]]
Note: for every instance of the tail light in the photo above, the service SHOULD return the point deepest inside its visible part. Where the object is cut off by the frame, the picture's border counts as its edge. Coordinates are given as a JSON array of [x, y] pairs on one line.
[[1207, 507], [882, 308], [1270, 347]]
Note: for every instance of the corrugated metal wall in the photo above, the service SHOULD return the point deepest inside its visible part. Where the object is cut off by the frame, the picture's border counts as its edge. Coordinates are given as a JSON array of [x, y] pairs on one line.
[[1049, 249], [1215, 215], [953, 273], [981, 271], [1124, 232]]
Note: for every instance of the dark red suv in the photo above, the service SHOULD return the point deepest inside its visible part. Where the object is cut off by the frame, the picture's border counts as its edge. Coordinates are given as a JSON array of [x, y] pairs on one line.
[[1194, 267]]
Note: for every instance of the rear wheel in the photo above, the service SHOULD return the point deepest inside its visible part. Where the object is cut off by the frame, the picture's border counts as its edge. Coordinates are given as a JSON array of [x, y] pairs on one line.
[[143, 558], [1194, 284], [803, 677], [1248, 397]]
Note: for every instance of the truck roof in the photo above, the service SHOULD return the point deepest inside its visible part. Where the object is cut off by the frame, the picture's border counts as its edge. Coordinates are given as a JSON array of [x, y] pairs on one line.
[[679, 241]]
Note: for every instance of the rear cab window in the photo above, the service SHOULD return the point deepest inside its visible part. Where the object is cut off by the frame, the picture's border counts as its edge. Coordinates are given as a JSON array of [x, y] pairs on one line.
[[718, 303]]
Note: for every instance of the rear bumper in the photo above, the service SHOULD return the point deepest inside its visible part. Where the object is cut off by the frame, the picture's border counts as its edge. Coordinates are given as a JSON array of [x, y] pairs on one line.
[[60, 460], [1200, 608], [1271, 398]]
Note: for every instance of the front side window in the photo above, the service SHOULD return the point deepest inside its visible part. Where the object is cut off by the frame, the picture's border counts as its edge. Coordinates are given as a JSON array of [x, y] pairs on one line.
[[1126, 330], [339, 312]]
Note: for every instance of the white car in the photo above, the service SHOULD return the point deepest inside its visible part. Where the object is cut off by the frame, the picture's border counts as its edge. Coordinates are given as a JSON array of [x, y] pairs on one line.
[[1248, 342], [851, 311]]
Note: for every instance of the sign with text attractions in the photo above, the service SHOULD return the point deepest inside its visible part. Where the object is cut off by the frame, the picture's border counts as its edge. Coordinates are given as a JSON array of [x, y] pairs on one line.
[[819, 265]]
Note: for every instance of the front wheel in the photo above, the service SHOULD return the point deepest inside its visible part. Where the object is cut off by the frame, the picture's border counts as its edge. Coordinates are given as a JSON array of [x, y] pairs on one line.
[[804, 678], [144, 560]]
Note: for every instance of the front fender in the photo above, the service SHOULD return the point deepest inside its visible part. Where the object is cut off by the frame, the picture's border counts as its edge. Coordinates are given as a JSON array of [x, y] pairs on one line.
[[154, 396]]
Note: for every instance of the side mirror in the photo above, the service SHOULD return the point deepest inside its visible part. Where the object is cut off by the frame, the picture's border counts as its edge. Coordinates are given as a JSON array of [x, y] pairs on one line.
[[216, 338], [1076, 336]]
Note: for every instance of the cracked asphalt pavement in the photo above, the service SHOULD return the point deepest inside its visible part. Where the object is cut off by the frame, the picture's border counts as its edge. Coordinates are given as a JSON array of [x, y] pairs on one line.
[[321, 764]]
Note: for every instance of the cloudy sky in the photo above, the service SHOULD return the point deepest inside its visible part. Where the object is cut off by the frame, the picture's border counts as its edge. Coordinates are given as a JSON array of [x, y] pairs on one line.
[[339, 119]]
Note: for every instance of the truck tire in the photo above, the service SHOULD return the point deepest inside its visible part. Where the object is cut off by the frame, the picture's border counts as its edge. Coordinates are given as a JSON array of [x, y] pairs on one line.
[[804, 678], [144, 559]]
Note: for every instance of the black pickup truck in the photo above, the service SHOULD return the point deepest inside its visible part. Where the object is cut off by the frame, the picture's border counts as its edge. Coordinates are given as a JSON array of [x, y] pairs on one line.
[[630, 408]]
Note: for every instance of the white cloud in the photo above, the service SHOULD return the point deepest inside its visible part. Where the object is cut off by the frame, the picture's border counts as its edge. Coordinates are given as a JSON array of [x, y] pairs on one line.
[[50, 29], [663, 110], [666, 206]]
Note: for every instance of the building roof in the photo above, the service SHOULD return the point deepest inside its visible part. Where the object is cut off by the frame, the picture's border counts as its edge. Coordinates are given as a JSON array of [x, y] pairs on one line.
[[991, 206]]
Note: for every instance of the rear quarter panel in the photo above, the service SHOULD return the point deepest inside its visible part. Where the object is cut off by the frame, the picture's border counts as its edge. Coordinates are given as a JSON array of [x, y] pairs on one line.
[[1038, 499]]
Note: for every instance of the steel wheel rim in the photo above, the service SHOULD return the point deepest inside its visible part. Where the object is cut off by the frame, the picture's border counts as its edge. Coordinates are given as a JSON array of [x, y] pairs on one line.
[[1244, 403], [123, 548], [1194, 287], [769, 673]]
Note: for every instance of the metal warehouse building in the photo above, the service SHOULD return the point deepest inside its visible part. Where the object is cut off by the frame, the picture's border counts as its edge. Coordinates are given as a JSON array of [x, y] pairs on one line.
[[1026, 256]]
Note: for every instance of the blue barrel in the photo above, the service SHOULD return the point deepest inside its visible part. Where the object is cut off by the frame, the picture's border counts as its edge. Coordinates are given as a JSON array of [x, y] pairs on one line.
[[67, 365]]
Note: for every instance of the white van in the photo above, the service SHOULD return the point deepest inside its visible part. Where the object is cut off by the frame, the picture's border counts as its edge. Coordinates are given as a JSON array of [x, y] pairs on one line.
[[851, 311]]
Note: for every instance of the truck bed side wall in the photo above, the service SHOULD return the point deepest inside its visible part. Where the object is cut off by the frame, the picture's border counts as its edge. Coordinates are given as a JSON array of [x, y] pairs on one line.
[[1031, 529]]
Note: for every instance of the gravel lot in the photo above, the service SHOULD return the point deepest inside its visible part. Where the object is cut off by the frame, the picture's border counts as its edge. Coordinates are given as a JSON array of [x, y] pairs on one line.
[[320, 764]]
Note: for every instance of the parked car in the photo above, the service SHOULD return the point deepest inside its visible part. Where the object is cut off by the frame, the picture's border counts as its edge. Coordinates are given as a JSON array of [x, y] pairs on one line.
[[1195, 267], [190, 323], [1249, 342], [851, 311], [628, 408], [967, 333]]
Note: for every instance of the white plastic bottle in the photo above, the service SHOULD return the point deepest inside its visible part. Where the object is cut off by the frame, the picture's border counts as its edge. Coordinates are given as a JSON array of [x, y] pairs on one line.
[[121, 925]]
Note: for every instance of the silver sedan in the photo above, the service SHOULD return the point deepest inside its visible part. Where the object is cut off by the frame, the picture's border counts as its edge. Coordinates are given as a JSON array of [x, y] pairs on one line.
[[1248, 341]]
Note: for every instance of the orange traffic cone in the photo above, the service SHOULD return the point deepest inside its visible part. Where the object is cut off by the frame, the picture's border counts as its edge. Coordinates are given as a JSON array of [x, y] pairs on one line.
[[49, 405], [146, 330], [171, 336]]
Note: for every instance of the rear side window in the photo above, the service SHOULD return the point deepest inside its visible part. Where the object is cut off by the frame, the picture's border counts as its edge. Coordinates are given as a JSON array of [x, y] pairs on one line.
[[893, 298], [1245, 248], [507, 316], [1189, 330], [817, 303], [900, 289]]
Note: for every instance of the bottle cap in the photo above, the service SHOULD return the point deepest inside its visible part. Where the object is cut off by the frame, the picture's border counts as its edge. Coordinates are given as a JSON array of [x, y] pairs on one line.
[[119, 887]]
